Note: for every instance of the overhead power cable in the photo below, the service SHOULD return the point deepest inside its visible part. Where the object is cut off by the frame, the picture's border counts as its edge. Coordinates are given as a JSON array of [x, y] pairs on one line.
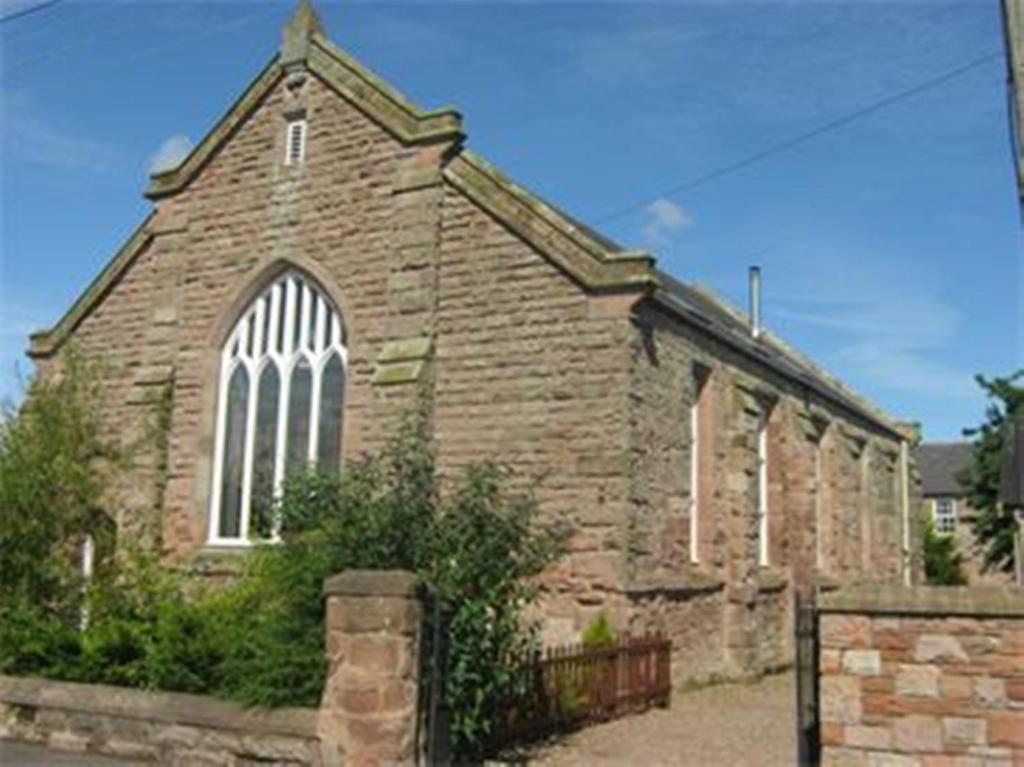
[[801, 138], [28, 11], [136, 53]]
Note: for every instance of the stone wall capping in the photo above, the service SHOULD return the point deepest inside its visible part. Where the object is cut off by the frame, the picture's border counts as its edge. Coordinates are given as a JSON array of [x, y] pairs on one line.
[[372, 583], [771, 579], [385, 104], [691, 583], [166, 707], [396, 373], [405, 349], [885, 599], [814, 422], [411, 179], [593, 261], [826, 581]]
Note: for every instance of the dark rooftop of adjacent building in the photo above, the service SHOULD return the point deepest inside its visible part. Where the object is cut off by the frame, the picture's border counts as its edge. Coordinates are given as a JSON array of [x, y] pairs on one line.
[[939, 463]]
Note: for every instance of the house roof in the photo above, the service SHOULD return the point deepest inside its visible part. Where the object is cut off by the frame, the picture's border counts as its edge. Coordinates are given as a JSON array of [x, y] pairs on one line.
[[939, 463], [588, 256]]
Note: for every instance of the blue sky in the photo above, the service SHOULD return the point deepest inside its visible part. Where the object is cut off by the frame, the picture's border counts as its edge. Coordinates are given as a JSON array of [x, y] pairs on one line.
[[890, 246]]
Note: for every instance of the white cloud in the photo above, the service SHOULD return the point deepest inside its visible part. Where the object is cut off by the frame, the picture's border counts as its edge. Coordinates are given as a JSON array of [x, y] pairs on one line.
[[30, 137], [664, 217], [886, 321], [170, 154]]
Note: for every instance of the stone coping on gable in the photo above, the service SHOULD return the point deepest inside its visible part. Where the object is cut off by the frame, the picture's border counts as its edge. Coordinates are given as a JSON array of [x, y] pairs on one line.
[[170, 707], [882, 599]]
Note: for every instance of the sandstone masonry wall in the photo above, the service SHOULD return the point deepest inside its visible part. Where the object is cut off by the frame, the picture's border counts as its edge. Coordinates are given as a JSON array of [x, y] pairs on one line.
[[923, 677], [148, 727], [533, 372], [812, 539]]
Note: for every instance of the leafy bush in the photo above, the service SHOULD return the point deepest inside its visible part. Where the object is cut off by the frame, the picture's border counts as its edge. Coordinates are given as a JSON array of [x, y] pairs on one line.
[[54, 462], [599, 632], [943, 565], [261, 639], [485, 549], [994, 524]]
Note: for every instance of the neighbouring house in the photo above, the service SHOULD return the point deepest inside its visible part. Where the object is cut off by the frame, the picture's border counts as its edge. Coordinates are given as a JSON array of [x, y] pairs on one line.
[[330, 251], [945, 504]]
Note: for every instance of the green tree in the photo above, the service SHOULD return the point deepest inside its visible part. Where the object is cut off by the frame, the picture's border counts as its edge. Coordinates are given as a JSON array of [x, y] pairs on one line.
[[943, 564], [994, 526]]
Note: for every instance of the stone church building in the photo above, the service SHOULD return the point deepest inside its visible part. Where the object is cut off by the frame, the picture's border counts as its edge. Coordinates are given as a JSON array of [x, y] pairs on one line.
[[330, 249]]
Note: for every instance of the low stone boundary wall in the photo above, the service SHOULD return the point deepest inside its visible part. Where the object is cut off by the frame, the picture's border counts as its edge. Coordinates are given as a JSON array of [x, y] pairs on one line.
[[163, 727], [368, 714], [922, 677]]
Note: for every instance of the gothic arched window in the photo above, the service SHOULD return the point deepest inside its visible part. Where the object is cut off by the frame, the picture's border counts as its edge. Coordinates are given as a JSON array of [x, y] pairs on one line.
[[280, 401]]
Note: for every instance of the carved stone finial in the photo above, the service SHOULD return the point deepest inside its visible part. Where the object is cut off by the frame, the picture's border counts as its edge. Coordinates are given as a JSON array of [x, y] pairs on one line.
[[303, 24]]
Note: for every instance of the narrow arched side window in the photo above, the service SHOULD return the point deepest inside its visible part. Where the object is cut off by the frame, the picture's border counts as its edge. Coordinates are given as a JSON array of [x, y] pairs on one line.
[[280, 402]]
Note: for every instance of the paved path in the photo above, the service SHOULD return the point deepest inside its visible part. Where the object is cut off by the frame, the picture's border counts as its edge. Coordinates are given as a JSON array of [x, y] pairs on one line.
[[26, 755], [723, 726]]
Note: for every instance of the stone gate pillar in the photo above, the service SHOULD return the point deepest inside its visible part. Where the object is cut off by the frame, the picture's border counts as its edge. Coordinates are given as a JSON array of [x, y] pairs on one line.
[[368, 712]]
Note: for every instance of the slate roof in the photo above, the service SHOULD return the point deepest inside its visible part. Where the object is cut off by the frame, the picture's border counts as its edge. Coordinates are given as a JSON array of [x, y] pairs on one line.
[[938, 463], [708, 310]]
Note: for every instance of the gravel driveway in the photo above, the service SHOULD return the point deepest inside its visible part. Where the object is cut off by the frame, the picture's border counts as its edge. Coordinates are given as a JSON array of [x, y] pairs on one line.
[[723, 726]]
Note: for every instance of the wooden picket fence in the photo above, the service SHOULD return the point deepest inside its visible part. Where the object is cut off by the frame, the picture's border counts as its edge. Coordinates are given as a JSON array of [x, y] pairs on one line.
[[573, 685]]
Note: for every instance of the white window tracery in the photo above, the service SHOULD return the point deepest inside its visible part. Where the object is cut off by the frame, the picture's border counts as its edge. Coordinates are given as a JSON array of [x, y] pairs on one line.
[[280, 403]]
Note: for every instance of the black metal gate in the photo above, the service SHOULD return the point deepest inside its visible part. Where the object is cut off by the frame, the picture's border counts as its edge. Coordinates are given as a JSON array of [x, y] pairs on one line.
[[435, 738], [805, 624]]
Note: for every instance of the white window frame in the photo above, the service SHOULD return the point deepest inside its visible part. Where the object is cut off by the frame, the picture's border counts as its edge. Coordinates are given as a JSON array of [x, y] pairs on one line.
[[300, 127], [944, 523], [695, 477], [88, 564], [701, 382], [762, 491], [328, 339], [819, 517]]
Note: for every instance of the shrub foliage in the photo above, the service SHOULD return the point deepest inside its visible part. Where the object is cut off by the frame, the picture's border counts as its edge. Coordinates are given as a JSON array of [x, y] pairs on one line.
[[994, 525], [260, 639], [943, 564]]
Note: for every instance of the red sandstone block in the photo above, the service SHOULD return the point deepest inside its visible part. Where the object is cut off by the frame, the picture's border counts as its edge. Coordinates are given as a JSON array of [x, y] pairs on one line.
[[877, 684], [1006, 728], [917, 734], [1015, 689], [956, 686], [845, 631], [831, 734], [892, 640]]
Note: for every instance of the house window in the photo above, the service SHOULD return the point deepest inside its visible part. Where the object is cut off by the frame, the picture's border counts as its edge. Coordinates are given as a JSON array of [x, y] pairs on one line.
[[762, 491], [945, 516], [295, 149], [281, 396]]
